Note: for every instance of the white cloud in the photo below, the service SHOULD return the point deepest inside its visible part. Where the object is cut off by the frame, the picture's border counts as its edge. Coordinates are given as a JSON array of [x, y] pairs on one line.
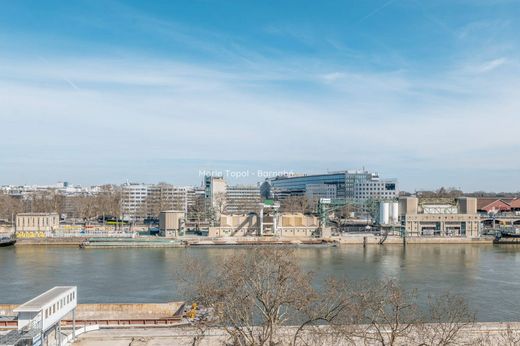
[[163, 110]]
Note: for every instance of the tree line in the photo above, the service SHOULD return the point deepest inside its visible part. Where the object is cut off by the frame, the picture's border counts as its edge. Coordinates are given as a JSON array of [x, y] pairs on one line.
[[85, 207]]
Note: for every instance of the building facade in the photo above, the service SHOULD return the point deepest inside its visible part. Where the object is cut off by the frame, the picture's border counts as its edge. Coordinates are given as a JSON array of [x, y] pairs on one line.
[[292, 225], [242, 199], [441, 217], [34, 224], [171, 222], [140, 201], [357, 185]]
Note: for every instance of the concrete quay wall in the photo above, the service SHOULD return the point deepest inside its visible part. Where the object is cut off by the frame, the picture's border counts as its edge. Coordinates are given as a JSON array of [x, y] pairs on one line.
[[491, 333], [115, 311], [72, 241], [372, 239], [360, 239]]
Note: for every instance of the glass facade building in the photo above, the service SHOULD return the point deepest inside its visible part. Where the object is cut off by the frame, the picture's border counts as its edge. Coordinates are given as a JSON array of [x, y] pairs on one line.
[[359, 185]]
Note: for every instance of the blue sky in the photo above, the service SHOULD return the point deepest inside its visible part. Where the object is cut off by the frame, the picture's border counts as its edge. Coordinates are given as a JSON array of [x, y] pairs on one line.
[[109, 91]]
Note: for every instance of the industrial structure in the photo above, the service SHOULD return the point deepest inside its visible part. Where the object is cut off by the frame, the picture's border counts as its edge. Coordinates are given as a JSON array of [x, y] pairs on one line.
[[290, 225], [41, 316], [444, 217]]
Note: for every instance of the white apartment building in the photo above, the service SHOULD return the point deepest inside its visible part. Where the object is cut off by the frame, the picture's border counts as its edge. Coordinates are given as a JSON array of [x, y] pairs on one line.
[[133, 199], [143, 200], [242, 199]]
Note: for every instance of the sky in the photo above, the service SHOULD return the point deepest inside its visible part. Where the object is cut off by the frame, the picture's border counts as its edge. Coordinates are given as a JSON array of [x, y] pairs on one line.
[[111, 91]]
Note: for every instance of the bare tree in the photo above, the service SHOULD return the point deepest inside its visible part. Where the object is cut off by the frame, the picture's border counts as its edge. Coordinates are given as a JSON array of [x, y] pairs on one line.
[[446, 317], [198, 211], [252, 297], [295, 204], [388, 311], [264, 298], [10, 206]]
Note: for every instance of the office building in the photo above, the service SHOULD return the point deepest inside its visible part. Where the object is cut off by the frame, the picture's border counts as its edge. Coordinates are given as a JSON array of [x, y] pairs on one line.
[[356, 185], [242, 199]]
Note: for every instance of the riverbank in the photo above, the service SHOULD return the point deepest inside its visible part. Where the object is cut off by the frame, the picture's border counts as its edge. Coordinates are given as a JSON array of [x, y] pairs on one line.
[[357, 239], [112, 315]]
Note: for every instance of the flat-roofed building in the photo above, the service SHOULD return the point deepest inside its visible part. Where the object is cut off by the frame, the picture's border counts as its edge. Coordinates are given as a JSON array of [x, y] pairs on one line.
[[352, 184], [442, 217], [37, 222], [242, 199], [171, 222], [288, 225]]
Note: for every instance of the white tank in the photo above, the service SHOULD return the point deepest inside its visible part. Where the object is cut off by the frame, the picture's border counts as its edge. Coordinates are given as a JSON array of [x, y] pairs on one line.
[[394, 214], [384, 213]]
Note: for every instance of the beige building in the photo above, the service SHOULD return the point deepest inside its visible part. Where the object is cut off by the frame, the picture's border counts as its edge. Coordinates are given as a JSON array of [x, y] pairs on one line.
[[298, 225], [442, 217], [171, 222], [288, 225], [37, 222]]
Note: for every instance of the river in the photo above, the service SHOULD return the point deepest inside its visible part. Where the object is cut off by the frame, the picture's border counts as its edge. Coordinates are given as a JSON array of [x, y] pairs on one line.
[[488, 276]]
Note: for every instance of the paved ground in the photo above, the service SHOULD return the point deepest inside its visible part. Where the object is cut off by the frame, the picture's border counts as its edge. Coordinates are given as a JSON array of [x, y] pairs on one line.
[[142, 337], [480, 334]]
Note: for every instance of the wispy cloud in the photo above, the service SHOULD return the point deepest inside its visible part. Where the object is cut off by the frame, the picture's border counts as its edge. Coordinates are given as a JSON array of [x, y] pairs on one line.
[[203, 95], [370, 119]]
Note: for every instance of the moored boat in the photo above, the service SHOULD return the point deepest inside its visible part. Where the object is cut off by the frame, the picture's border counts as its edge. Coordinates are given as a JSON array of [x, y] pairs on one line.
[[507, 236], [6, 241]]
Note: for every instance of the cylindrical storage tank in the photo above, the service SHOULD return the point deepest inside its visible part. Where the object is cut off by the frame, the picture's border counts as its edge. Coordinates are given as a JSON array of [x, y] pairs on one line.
[[395, 212], [384, 211]]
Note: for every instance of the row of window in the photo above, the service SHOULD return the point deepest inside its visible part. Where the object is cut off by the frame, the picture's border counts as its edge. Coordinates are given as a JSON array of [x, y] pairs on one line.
[[59, 304], [36, 221]]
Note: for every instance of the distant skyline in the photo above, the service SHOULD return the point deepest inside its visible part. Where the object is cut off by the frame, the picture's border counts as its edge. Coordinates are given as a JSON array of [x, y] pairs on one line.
[[107, 91]]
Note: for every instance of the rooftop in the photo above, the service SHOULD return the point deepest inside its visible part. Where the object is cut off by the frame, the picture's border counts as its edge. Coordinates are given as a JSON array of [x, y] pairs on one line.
[[38, 303], [35, 214]]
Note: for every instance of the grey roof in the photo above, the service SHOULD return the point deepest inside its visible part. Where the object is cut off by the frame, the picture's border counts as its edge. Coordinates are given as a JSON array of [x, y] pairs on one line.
[[37, 304], [14, 336]]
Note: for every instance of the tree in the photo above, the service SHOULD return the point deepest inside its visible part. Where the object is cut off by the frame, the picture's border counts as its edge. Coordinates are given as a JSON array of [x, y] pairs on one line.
[[295, 204], [10, 206], [252, 297], [198, 211], [264, 298], [447, 315]]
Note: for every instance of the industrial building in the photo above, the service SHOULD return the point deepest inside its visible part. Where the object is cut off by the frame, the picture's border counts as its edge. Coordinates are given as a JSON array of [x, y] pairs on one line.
[[441, 217], [41, 317], [294, 225], [356, 185]]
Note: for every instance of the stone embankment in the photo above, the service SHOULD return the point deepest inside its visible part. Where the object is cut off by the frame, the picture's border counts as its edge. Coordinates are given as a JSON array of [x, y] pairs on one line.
[[356, 239], [150, 314]]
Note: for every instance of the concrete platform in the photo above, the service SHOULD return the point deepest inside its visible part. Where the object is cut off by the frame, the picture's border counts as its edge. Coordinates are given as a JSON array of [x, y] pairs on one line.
[[493, 334]]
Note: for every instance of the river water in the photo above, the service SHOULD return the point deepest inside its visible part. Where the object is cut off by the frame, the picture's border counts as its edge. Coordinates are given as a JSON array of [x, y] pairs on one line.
[[488, 276]]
